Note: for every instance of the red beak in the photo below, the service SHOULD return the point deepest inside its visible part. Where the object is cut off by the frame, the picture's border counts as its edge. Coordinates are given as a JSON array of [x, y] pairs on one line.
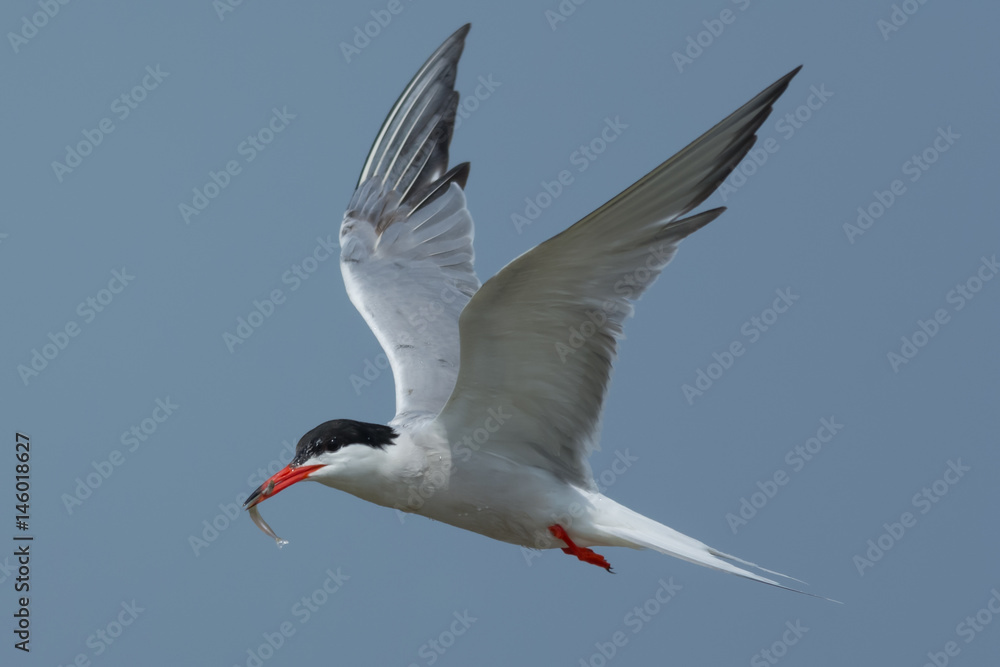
[[280, 480]]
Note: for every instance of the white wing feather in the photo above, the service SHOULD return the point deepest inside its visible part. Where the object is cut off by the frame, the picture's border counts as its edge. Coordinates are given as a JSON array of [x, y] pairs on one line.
[[410, 284], [406, 238]]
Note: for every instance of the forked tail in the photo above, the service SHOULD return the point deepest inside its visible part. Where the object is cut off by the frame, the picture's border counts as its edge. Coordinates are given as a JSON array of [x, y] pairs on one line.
[[640, 532]]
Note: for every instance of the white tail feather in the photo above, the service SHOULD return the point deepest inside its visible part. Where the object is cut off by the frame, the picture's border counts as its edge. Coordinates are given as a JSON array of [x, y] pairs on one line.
[[629, 528]]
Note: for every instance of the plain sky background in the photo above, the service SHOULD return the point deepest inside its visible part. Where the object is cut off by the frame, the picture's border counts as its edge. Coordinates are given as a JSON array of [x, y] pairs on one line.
[[887, 97]]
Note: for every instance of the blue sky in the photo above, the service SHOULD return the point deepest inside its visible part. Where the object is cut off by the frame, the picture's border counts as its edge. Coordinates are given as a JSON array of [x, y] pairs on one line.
[[836, 330]]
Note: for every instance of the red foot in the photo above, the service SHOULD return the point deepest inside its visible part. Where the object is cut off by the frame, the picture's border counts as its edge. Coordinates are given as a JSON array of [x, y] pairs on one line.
[[583, 553]]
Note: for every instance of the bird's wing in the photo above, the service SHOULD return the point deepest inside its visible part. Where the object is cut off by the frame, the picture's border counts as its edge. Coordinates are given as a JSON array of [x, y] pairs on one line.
[[406, 239], [538, 340]]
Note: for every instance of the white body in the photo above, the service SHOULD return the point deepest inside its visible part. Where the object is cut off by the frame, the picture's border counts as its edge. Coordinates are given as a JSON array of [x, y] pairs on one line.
[[497, 408], [475, 490]]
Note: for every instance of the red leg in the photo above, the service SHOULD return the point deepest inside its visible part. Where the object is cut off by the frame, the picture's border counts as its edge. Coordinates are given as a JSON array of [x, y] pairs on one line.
[[583, 553]]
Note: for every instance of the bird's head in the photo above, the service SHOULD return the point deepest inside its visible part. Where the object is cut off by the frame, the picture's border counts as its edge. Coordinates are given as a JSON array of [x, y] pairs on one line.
[[336, 453]]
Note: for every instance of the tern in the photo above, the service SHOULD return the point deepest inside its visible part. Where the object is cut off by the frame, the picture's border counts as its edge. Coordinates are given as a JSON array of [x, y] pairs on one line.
[[500, 386]]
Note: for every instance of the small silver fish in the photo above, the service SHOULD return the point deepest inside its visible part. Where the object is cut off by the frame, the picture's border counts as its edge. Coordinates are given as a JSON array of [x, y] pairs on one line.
[[260, 523]]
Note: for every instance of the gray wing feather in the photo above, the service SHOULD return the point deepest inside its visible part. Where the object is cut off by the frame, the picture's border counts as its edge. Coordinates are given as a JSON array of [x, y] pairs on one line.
[[539, 339], [411, 149]]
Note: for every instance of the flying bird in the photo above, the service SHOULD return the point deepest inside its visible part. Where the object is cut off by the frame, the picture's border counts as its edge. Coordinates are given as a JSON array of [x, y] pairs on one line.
[[498, 405]]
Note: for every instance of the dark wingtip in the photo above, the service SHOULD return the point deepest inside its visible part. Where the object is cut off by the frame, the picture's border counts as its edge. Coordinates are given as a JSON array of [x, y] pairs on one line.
[[776, 89], [457, 37], [458, 174], [441, 67], [779, 86]]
